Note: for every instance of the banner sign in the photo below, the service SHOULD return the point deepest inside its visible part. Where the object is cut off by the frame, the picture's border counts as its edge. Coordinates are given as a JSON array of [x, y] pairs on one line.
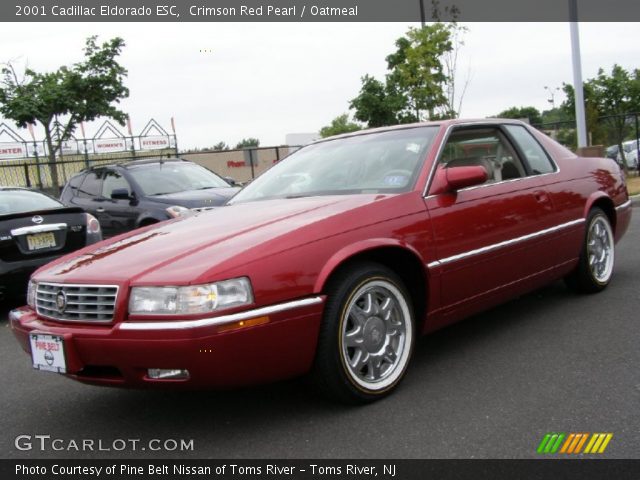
[[36, 149], [154, 143], [110, 145], [12, 150], [69, 147]]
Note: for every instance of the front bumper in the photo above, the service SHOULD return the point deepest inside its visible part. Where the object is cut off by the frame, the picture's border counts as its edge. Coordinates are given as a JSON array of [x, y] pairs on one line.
[[217, 355]]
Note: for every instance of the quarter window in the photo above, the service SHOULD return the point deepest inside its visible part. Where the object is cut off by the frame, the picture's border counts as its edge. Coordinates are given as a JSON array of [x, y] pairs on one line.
[[536, 156]]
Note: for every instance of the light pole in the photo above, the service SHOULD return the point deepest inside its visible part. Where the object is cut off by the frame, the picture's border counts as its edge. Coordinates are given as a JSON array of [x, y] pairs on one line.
[[581, 123], [552, 96]]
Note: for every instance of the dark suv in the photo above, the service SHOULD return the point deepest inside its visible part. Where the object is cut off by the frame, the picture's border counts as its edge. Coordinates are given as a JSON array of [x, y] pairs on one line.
[[131, 195]]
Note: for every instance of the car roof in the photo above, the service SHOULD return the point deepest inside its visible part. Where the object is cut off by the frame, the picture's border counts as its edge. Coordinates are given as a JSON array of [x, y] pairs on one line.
[[133, 163], [435, 123]]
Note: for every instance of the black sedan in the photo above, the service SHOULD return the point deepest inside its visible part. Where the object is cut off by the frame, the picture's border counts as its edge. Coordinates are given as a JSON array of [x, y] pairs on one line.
[[135, 194], [34, 230]]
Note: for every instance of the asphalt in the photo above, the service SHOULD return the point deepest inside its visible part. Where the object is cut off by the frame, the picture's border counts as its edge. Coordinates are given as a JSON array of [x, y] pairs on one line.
[[489, 387]]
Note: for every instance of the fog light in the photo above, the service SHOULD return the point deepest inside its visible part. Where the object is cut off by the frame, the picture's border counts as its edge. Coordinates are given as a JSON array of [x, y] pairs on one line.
[[167, 374]]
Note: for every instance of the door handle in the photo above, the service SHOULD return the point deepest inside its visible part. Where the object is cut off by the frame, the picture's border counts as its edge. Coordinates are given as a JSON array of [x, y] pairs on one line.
[[100, 210], [541, 197]]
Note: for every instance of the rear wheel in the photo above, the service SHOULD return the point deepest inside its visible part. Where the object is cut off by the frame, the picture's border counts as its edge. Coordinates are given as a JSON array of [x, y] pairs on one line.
[[367, 335], [595, 266]]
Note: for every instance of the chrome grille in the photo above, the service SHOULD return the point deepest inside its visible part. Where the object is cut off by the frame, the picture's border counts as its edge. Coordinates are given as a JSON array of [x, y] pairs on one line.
[[82, 303]]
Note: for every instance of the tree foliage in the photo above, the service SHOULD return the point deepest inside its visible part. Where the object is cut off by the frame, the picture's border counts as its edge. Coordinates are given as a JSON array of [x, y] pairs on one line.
[[61, 99], [421, 83], [532, 114], [248, 143], [220, 146], [378, 104], [608, 100], [340, 124]]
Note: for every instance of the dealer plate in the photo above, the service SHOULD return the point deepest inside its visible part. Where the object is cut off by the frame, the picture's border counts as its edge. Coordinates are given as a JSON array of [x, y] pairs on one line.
[[39, 241], [47, 352]]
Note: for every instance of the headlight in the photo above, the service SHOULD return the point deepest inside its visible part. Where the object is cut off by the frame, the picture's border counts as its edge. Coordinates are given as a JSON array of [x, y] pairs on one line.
[[192, 299], [31, 294], [177, 211]]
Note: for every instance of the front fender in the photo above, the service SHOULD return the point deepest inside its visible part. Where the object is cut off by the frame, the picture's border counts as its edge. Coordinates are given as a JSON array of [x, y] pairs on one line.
[[357, 248]]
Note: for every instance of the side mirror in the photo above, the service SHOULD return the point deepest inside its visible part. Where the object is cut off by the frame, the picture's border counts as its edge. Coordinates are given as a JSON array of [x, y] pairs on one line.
[[463, 177], [230, 181], [120, 194], [457, 178]]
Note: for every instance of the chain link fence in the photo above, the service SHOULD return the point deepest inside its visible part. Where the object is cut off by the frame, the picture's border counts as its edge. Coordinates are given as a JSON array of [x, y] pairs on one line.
[[617, 134], [241, 165]]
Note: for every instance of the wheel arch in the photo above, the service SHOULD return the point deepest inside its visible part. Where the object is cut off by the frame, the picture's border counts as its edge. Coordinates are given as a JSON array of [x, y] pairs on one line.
[[399, 257], [604, 202]]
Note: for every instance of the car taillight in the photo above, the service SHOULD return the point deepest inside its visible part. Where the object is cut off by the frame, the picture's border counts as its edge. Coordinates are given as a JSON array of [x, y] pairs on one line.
[[94, 233]]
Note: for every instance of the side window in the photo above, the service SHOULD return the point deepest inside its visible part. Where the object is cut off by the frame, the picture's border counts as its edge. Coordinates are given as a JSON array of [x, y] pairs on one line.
[[533, 152], [113, 181], [484, 147], [92, 185]]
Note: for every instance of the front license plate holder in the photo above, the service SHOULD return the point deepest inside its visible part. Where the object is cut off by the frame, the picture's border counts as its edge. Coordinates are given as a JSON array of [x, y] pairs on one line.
[[47, 352]]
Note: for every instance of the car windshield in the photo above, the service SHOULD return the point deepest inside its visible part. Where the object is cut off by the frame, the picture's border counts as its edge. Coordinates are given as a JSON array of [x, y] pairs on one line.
[[385, 162], [173, 177], [20, 201]]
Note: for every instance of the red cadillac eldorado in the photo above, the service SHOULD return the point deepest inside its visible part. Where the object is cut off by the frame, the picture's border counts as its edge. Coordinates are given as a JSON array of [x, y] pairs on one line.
[[332, 262]]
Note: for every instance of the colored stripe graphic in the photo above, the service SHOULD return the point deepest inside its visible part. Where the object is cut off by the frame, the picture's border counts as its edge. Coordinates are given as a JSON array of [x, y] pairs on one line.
[[551, 442], [573, 443], [598, 443]]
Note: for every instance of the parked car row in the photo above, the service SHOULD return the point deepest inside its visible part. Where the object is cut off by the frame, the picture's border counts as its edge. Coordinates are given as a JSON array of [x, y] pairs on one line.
[[135, 194], [630, 149], [98, 202], [34, 230], [330, 264]]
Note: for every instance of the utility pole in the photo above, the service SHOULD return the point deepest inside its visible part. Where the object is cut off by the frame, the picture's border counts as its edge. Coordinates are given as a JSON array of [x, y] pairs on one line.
[[581, 123]]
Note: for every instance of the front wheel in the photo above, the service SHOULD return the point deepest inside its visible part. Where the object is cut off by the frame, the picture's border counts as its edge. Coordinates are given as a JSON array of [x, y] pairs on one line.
[[595, 266], [367, 335]]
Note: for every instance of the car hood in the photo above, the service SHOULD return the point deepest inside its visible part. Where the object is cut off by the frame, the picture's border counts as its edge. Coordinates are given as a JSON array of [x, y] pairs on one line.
[[197, 198], [188, 250]]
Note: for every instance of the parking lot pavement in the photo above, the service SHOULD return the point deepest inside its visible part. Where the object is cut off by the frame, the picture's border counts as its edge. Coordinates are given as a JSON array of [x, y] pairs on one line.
[[491, 386]]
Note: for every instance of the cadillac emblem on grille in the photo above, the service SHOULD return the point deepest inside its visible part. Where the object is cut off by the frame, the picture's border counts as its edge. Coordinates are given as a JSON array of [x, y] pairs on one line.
[[61, 301]]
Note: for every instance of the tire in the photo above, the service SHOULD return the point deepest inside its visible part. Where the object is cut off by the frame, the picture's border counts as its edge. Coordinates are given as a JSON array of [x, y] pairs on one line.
[[366, 337], [595, 265]]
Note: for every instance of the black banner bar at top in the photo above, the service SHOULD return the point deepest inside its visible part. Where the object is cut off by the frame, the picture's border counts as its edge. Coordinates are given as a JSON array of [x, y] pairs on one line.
[[319, 10]]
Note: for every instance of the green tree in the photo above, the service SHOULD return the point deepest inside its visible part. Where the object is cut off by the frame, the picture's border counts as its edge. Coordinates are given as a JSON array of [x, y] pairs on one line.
[[417, 70], [248, 143], [340, 124], [60, 100], [220, 146], [532, 114], [421, 83], [609, 98], [378, 104]]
